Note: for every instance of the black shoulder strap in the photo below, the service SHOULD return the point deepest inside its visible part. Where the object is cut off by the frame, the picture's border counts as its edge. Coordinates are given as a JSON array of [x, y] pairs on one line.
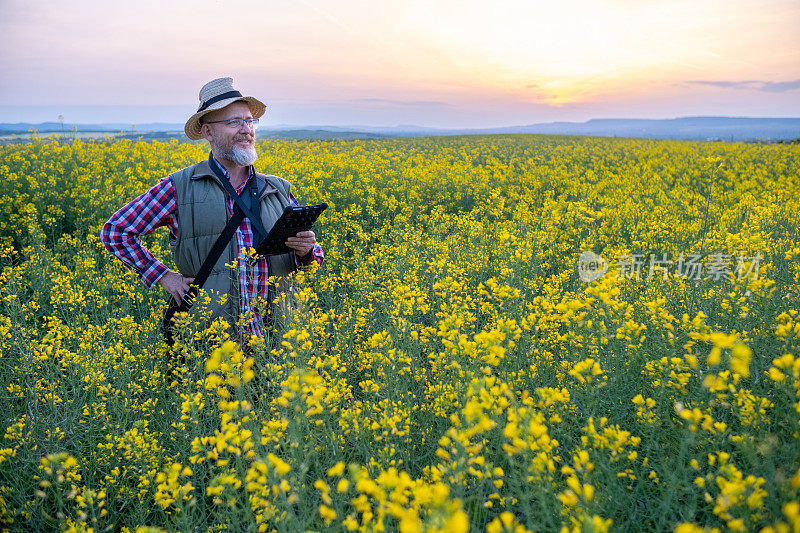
[[245, 201], [213, 256], [202, 275]]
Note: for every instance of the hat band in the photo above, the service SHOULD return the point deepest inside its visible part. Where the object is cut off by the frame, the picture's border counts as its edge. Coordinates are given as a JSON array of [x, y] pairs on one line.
[[223, 96]]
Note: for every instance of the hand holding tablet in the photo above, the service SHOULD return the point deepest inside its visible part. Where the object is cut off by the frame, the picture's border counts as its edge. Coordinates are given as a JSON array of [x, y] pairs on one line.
[[293, 221]]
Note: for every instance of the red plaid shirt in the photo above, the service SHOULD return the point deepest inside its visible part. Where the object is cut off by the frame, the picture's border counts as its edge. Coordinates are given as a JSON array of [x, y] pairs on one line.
[[156, 208]]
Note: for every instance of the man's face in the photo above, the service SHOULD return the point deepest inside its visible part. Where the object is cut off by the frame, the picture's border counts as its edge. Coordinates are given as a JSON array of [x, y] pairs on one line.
[[234, 144]]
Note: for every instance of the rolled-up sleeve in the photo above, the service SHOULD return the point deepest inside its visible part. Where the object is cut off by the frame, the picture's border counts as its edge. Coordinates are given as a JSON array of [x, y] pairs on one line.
[[120, 234]]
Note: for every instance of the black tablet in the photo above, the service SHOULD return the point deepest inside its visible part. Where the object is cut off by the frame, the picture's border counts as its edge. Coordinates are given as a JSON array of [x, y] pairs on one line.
[[292, 221]]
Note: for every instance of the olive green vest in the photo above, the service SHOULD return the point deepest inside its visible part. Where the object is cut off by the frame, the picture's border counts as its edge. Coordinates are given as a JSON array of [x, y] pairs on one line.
[[202, 213]]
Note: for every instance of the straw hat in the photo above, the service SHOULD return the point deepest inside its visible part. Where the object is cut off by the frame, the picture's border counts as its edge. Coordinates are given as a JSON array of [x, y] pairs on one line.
[[214, 95]]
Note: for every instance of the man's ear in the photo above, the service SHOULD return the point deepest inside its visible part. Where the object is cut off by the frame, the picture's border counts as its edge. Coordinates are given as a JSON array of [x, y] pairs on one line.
[[205, 131]]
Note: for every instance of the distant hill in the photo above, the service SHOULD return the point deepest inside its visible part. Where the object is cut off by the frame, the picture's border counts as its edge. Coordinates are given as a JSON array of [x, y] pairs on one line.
[[57, 127], [696, 128], [689, 128], [319, 134]]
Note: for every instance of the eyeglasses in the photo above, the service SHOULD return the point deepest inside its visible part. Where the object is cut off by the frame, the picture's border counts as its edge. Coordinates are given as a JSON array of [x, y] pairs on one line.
[[236, 123]]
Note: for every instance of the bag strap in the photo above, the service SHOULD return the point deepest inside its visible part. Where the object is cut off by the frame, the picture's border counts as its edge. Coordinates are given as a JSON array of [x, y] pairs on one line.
[[244, 202], [202, 275], [213, 256]]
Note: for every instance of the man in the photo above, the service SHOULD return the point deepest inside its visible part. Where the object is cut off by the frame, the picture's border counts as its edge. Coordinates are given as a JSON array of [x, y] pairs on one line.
[[194, 204]]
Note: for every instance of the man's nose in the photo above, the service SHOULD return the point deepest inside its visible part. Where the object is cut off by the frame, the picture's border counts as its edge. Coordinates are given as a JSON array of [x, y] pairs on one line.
[[245, 126]]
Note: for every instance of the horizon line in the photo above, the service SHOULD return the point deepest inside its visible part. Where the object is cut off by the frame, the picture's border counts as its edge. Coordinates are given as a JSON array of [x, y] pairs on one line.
[[395, 126]]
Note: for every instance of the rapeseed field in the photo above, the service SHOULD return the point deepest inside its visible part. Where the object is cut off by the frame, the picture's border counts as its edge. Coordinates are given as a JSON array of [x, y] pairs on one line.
[[509, 334]]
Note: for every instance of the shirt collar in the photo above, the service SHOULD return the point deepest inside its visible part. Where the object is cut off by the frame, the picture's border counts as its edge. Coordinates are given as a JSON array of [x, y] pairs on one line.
[[250, 169]]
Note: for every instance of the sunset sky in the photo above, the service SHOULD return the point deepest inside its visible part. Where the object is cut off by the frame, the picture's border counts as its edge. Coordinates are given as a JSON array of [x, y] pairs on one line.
[[428, 63]]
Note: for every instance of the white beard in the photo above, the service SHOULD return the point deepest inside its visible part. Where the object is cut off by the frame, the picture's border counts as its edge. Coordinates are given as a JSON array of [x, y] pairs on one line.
[[240, 156]]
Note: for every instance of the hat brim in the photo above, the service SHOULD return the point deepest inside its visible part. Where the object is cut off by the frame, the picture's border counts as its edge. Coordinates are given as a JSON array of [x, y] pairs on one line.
[[192, 127]]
